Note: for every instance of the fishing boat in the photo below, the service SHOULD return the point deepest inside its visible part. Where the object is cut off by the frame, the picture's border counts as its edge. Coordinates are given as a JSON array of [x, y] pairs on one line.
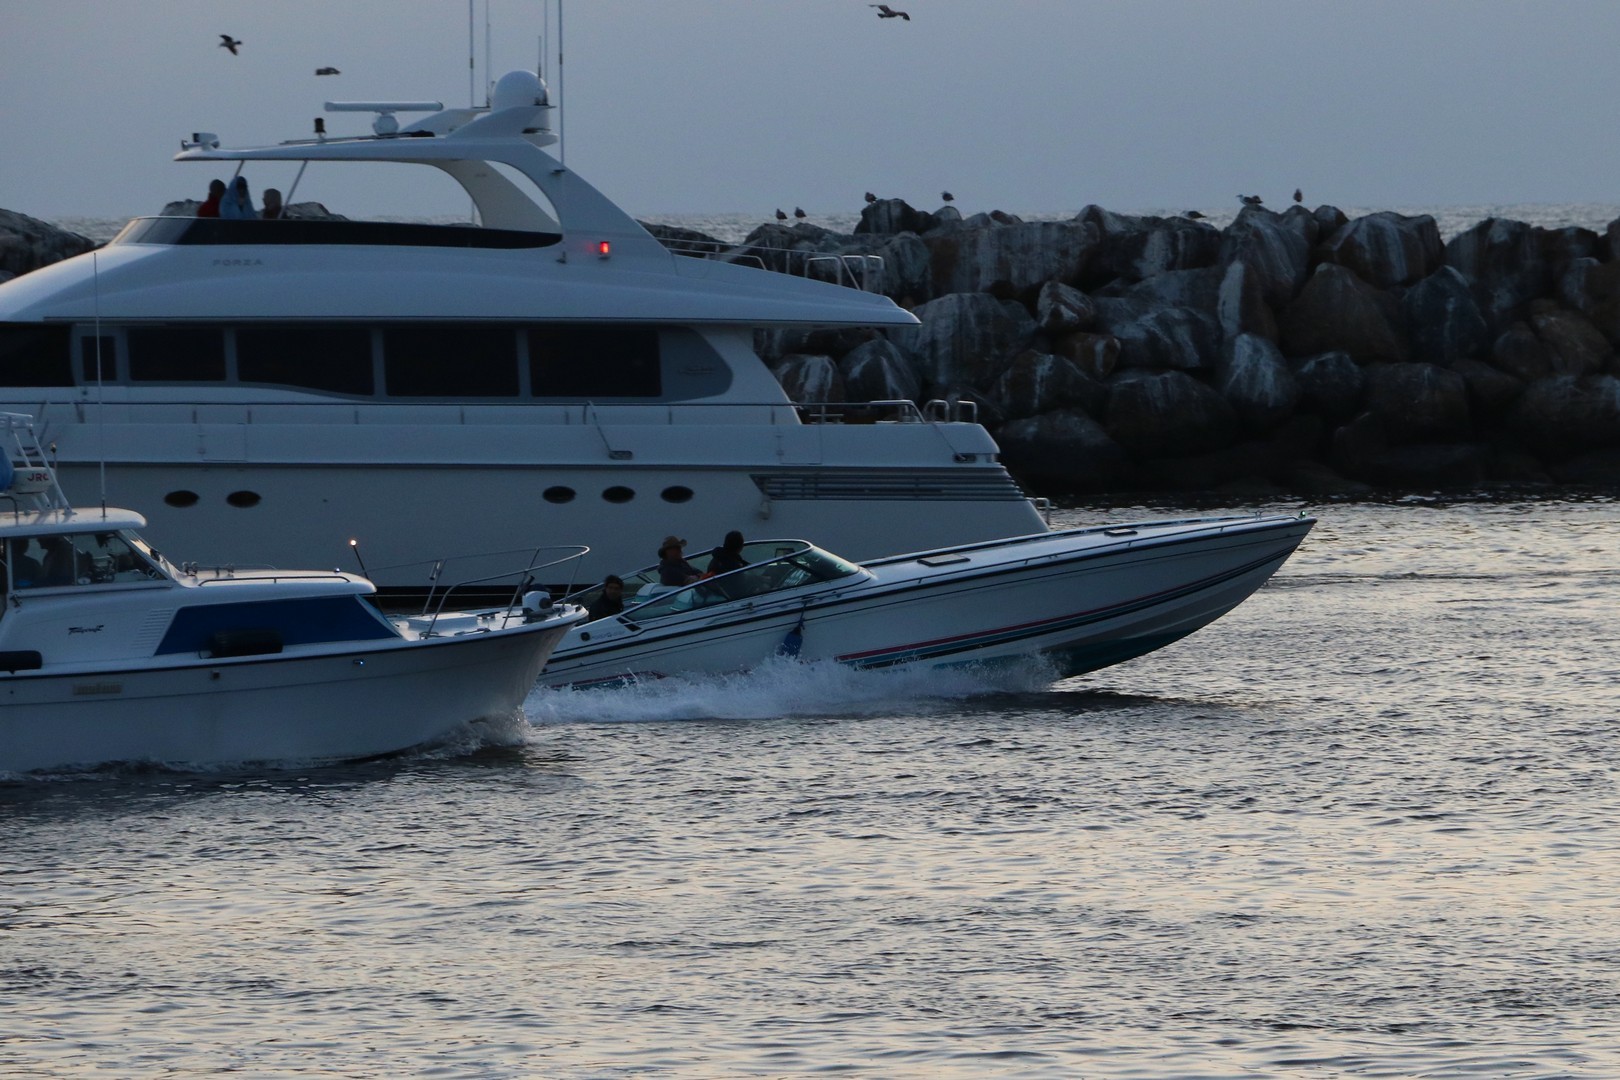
[[550, 362], [110, 652], [1071, 600]]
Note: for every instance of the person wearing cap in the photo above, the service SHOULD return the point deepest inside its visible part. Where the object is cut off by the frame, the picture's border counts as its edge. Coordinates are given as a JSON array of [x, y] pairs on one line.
[[673, 569]]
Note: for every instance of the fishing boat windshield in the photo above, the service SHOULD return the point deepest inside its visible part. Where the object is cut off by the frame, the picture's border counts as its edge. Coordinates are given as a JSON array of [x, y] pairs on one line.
[[793, 566], [97, 558]]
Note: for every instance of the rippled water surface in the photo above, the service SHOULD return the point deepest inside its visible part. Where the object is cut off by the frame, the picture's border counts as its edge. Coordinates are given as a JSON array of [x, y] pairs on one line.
[[1366, 825]]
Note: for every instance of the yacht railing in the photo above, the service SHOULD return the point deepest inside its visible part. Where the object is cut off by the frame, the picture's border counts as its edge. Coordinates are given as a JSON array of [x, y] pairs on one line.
[[857, 271], [485, 413]]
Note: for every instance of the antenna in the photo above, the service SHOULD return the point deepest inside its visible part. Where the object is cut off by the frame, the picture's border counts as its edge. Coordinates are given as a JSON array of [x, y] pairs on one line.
[[472, 100], [562, 146], [489, 82], [101, 405]]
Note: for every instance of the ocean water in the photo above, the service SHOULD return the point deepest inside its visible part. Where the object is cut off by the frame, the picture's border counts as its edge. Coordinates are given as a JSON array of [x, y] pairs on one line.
[[734, 227], [1366, 825]]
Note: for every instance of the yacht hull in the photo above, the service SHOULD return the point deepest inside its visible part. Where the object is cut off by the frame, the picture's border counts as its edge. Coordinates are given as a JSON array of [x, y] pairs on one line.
[[337, 705], [1074, 601]]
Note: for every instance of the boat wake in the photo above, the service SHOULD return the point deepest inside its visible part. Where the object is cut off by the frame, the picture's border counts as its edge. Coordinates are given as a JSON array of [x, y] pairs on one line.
[[782, 687]]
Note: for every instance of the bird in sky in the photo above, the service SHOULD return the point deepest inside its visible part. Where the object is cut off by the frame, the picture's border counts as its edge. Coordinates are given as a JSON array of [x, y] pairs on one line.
[[887, 12], [779, 215], [1250, 200], [947, 196], [228, 42], [798, 213], [327, 71]]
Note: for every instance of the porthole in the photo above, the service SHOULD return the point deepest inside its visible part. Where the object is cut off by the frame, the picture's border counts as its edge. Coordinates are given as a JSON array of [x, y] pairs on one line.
[[558, 494], [677, 494], [243, 499], [181, 498], [618, 494]]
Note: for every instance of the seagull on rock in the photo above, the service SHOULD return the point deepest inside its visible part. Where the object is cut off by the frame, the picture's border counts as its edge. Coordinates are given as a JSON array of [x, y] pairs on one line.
[[1250, 200], [798, 213], [871, 198], [779, 215], [1299, 196], [228, 42], [947, 196], [887, 12]]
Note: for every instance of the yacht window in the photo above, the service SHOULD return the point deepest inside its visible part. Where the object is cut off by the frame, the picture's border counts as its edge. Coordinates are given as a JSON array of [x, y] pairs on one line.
[[332, 358], [677, 494], [32, 354], [109, 358], [618, 494], [181, 498], [575, 361], [558, 494], [176, 354], [465, 360]]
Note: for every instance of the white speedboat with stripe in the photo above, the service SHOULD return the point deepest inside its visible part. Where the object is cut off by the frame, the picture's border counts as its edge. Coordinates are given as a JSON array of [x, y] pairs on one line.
[[1076, 600]]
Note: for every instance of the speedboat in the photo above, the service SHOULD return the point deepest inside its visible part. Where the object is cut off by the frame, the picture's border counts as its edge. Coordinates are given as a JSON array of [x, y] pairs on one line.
[[551, 363], [1072, 600], [109, 652]]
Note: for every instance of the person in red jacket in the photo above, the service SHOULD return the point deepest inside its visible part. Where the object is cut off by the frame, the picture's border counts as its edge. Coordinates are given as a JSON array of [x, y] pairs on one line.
[[210, 205]]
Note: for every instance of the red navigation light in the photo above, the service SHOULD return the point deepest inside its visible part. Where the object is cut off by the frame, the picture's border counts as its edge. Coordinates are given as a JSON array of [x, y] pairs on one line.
[[604, 249]]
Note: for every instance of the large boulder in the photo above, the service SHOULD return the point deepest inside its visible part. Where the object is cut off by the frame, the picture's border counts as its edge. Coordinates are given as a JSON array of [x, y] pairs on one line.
[[1061, 309], [1016, 257], [1095, 354], [1568, 414], [1331, 385], [1443, 318], [879, 370], [1521, 354], [1386, 249], [28, 243], [1037, 382], [1256, 380], [787, 249], [1136, 247], [1338, 311], [1576, 346], [1064, 451], [1364, 450], [886, 216], [1167, 413], [1416, 402], [1490, 391], [1240, 304], [1173, 337], [1593, 289], [964, 340], [1506, 264], [1277, 251]]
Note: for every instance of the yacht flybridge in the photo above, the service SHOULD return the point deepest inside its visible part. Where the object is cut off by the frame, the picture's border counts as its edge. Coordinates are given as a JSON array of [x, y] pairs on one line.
[[273, 388]]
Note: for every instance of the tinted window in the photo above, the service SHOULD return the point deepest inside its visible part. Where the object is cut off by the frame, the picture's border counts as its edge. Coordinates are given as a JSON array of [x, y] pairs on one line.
[[594, 361], [176, 354], [34, 355], [332, 358], [450, 361]]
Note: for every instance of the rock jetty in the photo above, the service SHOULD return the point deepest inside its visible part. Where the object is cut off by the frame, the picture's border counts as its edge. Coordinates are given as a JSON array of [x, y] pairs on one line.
[[1296, 352]]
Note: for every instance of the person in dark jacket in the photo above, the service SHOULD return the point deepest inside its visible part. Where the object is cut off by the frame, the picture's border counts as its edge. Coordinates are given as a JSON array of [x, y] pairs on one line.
[[210, 206], [611, 602], [673, 569]]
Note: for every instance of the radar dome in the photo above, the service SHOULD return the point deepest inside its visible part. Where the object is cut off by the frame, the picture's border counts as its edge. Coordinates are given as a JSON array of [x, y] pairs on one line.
[[518, 88]]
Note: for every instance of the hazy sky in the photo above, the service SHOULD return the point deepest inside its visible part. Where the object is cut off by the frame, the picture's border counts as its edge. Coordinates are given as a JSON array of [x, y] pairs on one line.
[[700, 106]]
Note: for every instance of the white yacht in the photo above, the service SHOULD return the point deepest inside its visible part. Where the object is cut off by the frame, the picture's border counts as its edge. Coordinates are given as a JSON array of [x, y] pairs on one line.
[[273, 388]]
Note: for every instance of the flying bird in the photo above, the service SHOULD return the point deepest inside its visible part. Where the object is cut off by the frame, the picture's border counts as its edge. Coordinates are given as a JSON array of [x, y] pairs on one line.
[[871, 197], [947, 196], [887, 12], [328, 71], [798, 213], [1299, 196], [1250, 200], [779, 215], [228, 42]]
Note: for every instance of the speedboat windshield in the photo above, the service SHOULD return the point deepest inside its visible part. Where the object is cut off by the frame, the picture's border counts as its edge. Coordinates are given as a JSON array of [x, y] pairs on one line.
[[773, 566]]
